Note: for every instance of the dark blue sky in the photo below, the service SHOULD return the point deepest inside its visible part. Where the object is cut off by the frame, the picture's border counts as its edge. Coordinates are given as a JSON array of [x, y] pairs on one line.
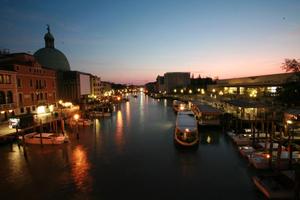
[[133, 41]]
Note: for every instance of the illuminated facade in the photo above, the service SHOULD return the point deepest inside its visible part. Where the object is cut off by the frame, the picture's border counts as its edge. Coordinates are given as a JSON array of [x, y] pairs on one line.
[[35, 85], [252, 87], [8, 94], [96, 86]]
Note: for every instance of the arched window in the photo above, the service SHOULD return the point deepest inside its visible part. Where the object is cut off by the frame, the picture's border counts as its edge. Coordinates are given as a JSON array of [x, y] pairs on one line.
[[2, 97], [9, 97]]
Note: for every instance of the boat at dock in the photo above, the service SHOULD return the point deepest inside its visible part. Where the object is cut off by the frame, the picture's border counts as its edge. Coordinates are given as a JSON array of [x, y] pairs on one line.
[[44, 138], [96, 114], [206, 114], [80, 122], [179, 106], [260, 160], [186, 130]]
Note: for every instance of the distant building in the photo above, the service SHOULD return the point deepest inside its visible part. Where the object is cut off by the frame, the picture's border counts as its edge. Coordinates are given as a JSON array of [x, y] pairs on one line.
[[160, 84], [76, 85], [253, 86], [96, 86], [35, 85], [172, 80]]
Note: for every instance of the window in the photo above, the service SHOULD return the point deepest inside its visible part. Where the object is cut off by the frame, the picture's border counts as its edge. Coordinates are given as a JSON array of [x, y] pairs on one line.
[[32, 97], [1, 79], [33, 108], [9, 97], [30, 83], [46, 96], [40, 84], [19, 82], [2, 97], [54, 95], [20, 98], [36, 84], [44, 83], [22, 110], [37, 97], [42, 96]]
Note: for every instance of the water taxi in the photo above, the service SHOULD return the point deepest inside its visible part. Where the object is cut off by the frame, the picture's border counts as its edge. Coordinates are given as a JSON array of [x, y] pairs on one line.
[[179, 106], [44, 138], [186, 131]]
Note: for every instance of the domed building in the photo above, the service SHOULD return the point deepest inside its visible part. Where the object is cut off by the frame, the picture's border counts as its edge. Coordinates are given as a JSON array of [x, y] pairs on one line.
[[51, 57]]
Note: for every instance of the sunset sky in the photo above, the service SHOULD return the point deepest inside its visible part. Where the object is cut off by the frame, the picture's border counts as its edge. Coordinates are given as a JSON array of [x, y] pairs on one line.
[[132, 41]]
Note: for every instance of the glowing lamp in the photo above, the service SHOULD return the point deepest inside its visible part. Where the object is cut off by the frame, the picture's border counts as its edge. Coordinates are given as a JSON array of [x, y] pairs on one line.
[[187, 130], [41, 110], [289, 121], [76, 116]]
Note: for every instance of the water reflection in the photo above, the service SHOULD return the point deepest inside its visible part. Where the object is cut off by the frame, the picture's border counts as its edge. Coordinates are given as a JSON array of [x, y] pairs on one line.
[[80, 169], [127, 110], [119, 135]]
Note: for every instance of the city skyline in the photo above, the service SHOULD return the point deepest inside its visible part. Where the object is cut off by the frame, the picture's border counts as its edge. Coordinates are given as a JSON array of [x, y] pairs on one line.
[[134, 41]]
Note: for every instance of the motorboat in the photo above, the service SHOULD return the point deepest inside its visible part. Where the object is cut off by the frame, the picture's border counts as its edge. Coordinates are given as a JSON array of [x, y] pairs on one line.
[[186, 131], [248, 149], [179, 106], [44, 138], [81, 122], [260, 160]]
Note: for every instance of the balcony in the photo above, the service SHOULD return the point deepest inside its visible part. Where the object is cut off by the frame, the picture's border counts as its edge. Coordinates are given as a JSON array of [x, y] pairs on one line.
[[8, 106]]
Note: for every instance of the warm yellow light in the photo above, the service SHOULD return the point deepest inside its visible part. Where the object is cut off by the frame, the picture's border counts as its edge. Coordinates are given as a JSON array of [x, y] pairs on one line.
[[190, 91], [119, 98], [76, 116], [2, 112], [51, 108], [213, 90], [60, 101], [221, 93], [41, 110], [198, 90], [289, 121], [268, 156], [202, 91], [187, 130], [175, 90], [181, 90], [10, 111]]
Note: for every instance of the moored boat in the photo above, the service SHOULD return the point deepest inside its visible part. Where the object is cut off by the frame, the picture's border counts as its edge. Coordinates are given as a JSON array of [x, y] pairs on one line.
[[44, 138], [179, 106], [186, 131], [207, 115]]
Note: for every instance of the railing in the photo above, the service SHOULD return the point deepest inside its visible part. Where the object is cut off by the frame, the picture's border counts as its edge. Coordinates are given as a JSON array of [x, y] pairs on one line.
[[8, 106]]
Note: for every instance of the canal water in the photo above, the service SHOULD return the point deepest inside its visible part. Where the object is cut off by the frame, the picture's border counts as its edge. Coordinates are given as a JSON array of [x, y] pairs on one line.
[[128, 156]]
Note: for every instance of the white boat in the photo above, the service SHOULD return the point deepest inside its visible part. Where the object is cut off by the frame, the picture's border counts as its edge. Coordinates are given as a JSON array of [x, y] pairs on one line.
[[260, 160], [81, 122], [186, 131], [248, 150], [47, 138], [99, 114]]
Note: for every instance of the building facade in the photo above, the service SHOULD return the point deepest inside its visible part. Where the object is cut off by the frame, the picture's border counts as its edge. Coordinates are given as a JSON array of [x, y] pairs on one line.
[[171, 80], [8, 94], [35, 85], [252, 87], [95, 86]]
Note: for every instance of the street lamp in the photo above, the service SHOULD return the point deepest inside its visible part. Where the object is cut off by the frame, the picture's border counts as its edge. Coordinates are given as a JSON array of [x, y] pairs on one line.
[[76, 117]]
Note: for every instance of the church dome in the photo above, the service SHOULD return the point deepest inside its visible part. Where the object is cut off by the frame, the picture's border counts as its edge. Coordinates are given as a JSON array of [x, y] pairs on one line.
[[51, 57]]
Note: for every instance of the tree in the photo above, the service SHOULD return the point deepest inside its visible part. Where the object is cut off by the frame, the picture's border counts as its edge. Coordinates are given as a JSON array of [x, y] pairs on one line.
[[290, 91], [291, 65]]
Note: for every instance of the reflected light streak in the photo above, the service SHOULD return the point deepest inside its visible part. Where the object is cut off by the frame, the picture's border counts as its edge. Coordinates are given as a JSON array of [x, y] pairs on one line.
[[127, 110], [119, 135], [80, 169]]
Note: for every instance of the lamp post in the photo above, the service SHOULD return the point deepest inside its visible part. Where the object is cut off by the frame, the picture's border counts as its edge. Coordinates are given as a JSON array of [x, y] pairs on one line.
[[76, 117]]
